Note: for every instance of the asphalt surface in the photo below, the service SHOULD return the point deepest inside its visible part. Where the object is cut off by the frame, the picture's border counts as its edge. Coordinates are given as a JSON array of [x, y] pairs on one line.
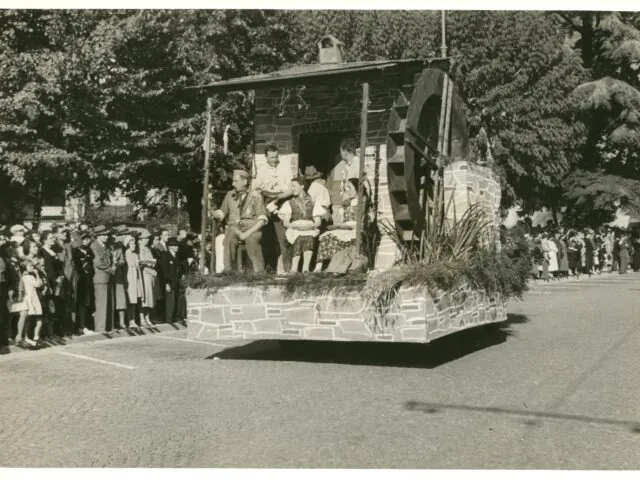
[[556, 387]]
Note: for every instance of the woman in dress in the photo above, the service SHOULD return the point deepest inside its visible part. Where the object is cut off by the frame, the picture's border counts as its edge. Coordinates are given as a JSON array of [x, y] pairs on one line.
[[553, 257], [147, 264], [302, 220], [624, 253], [135, 290], [563, 255], [120, 280], [15, 289], [342, 234]]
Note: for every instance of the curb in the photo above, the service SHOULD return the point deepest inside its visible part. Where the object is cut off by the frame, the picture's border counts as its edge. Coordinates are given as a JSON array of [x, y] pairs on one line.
[[97, 337], [581, 278]]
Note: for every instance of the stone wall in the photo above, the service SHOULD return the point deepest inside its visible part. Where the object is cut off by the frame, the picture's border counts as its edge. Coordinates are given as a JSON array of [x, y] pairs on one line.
[[242, 312], [469, 184]]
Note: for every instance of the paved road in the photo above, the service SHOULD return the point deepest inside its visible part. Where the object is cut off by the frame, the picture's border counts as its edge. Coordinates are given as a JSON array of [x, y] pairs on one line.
[[557, 387]]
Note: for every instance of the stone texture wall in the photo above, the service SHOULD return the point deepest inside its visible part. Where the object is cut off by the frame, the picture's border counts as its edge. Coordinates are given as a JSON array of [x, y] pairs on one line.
[[242, 312], [469, 184]]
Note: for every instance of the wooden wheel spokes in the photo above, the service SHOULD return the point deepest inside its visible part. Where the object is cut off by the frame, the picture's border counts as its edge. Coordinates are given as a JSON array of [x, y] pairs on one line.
[[413, 141]]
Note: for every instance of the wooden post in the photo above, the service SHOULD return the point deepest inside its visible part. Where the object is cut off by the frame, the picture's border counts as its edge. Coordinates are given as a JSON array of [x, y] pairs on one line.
[[205, 186], [443, 47], [363, 146]]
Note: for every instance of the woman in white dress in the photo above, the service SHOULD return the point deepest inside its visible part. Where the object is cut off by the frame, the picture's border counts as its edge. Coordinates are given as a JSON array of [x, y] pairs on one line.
[[553, 257]]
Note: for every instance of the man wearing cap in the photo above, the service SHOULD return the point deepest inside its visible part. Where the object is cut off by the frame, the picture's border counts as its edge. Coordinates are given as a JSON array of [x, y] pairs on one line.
[[273, 182], [172, 273], [245, 216], [318, 190], [102, 280]]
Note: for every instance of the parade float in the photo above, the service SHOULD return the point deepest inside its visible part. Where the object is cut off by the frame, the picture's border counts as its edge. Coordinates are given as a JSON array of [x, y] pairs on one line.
[[435, 265]]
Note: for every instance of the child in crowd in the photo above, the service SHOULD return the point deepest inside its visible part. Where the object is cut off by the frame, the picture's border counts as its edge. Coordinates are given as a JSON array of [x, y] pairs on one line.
[[32, 284]]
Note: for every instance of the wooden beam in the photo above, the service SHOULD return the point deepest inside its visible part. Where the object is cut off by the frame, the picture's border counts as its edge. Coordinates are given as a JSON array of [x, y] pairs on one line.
[[214, 222], [205, 186], [363, 146]]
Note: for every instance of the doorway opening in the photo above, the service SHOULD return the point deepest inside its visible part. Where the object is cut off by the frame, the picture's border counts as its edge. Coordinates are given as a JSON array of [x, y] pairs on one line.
[[322, 150]]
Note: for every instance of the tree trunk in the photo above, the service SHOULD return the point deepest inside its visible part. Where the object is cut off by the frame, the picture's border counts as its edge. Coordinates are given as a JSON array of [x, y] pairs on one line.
[[587, 38], [194, 208], [554, 215], [37, 207]]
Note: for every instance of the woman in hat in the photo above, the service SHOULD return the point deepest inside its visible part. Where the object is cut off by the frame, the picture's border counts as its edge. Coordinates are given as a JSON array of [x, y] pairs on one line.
[[147, 263], [120, 279]]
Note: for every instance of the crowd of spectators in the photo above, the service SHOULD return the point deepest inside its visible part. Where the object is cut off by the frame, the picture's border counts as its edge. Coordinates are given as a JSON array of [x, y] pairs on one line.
[[74, 279], [560, 252]]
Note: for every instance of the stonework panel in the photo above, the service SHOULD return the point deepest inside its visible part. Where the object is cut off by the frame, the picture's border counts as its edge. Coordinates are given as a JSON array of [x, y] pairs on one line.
[[424, 318]]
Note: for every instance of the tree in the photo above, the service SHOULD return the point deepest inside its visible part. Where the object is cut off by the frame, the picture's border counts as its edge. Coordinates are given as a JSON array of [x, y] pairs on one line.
[[154, 127], [516, 73], [609, 108], [33, 117], [513, 69]]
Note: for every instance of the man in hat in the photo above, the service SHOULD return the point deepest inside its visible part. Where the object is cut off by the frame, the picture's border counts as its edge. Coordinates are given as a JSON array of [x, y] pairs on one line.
[[245, 216], [172, 274], [65, 254], [102, 280], [318, 190]]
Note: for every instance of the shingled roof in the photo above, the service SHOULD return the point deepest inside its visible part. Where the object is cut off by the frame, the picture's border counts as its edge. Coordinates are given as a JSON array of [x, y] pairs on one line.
[[311, 73]]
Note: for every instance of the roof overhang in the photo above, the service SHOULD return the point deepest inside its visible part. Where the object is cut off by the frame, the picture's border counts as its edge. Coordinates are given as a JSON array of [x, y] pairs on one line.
[[320, 74]]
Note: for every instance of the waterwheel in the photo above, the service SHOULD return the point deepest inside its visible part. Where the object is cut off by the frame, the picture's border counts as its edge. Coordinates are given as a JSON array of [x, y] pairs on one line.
[[415, 140]]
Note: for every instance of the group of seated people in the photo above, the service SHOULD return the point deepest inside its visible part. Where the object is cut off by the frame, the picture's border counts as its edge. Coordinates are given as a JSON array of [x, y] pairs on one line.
[[295, 214]]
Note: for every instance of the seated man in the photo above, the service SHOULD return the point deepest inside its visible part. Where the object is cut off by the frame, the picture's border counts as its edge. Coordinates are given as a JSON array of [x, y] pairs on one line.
[[245, 216]]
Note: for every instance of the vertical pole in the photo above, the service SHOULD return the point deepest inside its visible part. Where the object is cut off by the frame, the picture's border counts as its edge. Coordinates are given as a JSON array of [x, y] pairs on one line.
[[214, 222], [205, 186], [363, 146], [443, 47]]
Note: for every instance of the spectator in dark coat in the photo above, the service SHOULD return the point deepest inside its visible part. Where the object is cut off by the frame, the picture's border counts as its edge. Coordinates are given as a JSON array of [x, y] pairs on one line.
[[54, 272], [172, 274], [83, 258]]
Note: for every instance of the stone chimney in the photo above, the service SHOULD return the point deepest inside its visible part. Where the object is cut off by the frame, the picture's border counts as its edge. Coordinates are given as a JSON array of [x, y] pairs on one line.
[[330, 49]]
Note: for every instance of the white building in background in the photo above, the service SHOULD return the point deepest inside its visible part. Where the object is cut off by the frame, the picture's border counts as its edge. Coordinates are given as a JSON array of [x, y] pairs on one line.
[[541, 217]]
